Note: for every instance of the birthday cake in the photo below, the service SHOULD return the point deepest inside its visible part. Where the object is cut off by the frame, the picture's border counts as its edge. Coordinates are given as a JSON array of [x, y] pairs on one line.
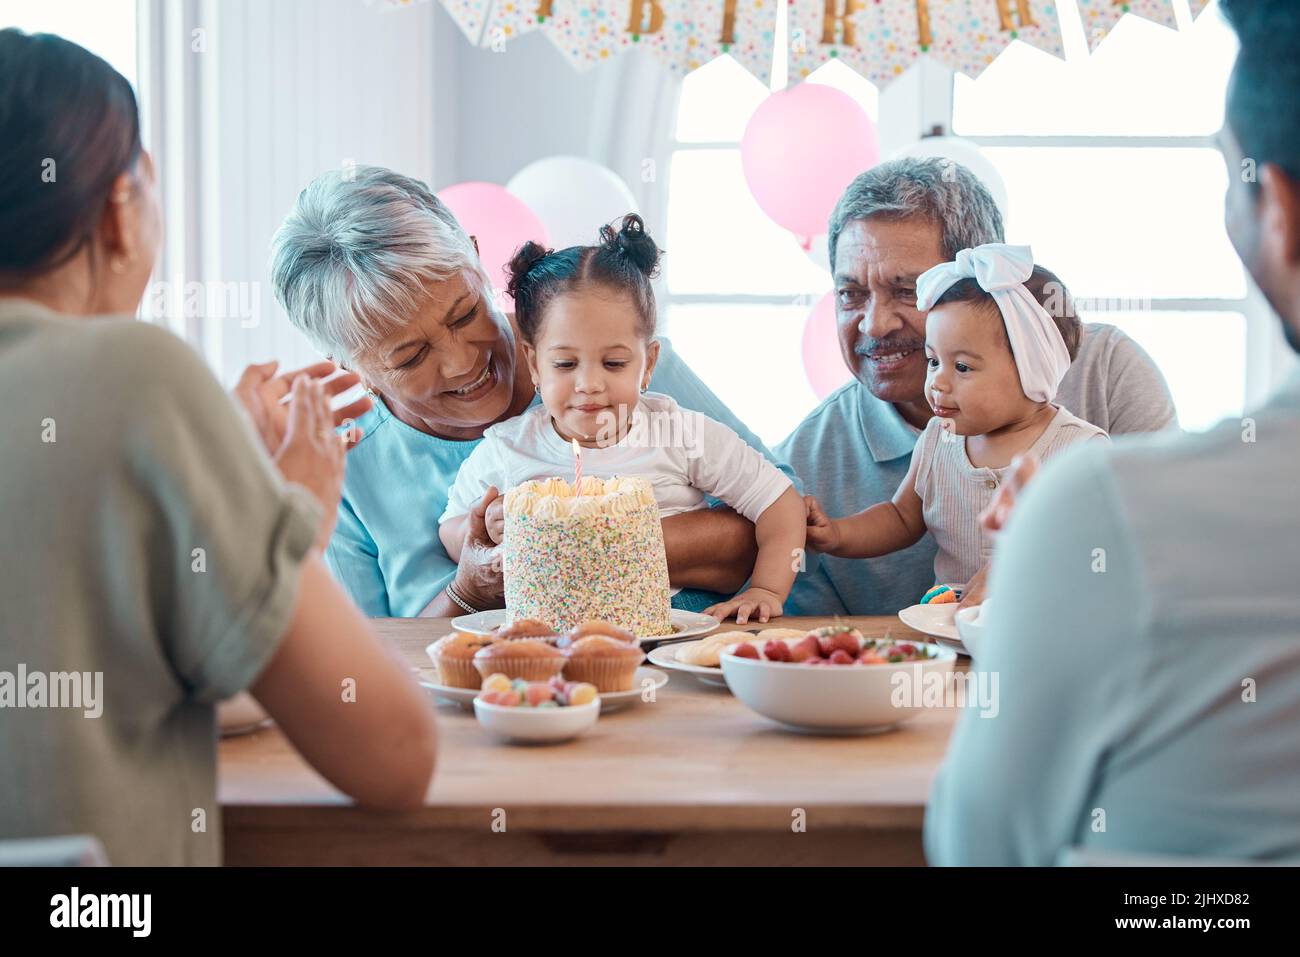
[[596, 551]]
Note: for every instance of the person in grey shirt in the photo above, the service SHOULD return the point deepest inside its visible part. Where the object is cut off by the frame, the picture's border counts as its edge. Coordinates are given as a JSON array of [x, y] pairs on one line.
[[1144, 619], [153, 559], [893, 223]]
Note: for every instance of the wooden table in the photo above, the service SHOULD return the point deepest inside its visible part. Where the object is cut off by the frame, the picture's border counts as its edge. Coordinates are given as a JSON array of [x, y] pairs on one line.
[[694, 777]]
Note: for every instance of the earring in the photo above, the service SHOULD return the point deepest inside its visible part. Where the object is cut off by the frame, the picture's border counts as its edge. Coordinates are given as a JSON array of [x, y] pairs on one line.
[[645, 389], [537, 389]]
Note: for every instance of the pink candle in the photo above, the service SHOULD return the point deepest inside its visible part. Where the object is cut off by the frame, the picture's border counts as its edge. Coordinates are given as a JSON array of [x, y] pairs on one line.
[[577, 466]]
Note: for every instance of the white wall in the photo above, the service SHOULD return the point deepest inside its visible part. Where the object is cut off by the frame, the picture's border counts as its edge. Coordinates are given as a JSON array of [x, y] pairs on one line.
[[287, 89], [278, 93], [515, 106], [527, 102]]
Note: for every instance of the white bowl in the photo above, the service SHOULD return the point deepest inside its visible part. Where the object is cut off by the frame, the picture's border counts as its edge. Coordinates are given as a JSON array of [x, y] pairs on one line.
[[240, 714], [972, 623], [536, 725], [833, 699]]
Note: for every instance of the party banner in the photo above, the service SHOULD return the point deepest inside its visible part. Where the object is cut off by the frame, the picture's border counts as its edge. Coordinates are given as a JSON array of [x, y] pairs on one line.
[[877, 40], [683, 34], [697, 31], [470, 16], [586, 32], [1100, 16], [509, 19], [589, 32], [968, 35], [1197, 7], [880, 39]]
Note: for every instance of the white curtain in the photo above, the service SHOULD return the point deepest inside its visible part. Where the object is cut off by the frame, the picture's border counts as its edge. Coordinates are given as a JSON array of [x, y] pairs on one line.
[[246, 101], [632, 127]]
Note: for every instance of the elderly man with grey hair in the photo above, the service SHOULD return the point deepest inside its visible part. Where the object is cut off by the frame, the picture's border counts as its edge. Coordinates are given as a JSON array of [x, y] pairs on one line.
[[893, 223], [382, 278]]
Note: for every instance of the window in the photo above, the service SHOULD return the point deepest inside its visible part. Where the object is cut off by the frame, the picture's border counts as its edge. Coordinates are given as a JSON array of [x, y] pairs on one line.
[[104, 27], [739, 287], [1081, 144]]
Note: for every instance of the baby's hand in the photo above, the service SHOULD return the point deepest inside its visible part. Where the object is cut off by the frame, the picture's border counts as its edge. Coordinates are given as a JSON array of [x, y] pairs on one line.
[[759, 602], [495, 518], [823, 535]]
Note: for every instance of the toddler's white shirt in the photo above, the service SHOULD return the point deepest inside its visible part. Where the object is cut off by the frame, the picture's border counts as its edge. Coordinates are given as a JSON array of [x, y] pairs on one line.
[[684, 455]]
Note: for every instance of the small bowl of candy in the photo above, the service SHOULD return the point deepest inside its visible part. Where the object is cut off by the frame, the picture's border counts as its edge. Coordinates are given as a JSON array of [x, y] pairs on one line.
[[536, 711], [836, 681]]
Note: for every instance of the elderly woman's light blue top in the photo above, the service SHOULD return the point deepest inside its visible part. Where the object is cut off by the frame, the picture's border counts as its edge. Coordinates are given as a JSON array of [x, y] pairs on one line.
[[1145, 628], [385, 550]]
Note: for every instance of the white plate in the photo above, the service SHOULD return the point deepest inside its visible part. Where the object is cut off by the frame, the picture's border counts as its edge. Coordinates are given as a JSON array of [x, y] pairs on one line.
[[609, 700], [686, 624], [617, 700], [241, 715], [665, 656], [936, 620]]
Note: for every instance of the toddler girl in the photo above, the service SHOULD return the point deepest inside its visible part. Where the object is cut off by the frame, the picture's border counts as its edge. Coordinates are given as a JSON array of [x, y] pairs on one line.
[[587, 318], [1000, 334]]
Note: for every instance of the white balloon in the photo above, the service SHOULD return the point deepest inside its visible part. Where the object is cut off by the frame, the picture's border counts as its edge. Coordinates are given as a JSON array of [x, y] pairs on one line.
[[819, 253], [573, 197], [967, 154]]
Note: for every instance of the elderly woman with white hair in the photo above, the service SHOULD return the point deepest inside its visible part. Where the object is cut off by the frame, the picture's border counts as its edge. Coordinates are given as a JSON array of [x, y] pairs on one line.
[[382, 278]]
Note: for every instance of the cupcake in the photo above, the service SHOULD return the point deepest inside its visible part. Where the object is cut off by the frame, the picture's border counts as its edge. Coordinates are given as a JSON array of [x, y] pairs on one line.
[[593, 627], [608, 663], [453, 655], [527, 628], [525, 658]]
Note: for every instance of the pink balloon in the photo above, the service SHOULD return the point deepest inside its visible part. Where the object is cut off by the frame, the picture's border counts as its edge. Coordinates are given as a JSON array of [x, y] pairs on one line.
[[801, 148], [500, 222], [822, 362]]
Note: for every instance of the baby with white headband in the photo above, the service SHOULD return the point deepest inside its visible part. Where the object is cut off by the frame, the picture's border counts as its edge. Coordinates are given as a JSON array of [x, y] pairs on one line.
[[1000, 334]]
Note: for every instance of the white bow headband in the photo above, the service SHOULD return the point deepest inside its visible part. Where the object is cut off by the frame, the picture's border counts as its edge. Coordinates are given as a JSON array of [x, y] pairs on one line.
[[1001, 270]]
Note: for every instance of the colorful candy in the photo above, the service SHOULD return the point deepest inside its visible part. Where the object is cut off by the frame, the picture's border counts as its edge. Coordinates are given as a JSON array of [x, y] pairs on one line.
[[939, 595], [556, 693]]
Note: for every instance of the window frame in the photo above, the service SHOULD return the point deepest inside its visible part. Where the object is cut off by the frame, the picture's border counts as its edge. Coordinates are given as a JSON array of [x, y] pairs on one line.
[[921, 103]]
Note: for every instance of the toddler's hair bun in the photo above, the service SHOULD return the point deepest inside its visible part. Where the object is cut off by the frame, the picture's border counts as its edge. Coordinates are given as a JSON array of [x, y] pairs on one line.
[[633, 243], [521, 263]]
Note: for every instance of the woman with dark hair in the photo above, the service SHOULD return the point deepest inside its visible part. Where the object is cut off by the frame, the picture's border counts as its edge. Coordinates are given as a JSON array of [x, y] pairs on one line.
[[153, 560]]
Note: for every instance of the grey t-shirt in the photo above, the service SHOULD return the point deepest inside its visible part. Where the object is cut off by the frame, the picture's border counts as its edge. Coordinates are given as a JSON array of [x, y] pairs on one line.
[[1144, 623], [853, 450], [144, 538]]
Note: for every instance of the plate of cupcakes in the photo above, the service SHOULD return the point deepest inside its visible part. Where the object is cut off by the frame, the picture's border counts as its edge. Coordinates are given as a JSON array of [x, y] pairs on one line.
[[595, 653]]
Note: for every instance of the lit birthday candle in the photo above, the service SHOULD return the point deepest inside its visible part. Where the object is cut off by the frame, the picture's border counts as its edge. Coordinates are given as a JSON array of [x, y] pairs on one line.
[[577, 467]]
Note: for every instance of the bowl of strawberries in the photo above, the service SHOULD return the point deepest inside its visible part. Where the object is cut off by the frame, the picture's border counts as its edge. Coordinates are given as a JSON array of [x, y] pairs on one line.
[[835, 680]]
